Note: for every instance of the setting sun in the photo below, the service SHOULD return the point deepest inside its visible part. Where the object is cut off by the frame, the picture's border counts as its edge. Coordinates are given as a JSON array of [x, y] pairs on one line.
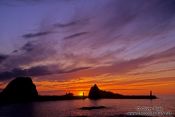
[[81, 93]]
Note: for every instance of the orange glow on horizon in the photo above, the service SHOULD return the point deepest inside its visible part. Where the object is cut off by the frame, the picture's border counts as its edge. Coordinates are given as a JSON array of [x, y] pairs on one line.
[[77, 88], [81, 93], [127, 85]]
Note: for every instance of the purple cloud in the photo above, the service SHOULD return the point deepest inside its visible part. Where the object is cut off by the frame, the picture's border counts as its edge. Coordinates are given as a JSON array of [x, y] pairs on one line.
[[3, 57], [36, 71], [32, 35]]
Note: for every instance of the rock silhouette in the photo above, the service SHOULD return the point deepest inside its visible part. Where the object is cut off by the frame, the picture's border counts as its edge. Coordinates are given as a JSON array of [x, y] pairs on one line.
[[21, 88], [96, 93], [92, 107]]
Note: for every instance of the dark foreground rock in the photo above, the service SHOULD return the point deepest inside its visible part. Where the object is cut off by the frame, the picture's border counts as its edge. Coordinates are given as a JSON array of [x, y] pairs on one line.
[[21, 88]]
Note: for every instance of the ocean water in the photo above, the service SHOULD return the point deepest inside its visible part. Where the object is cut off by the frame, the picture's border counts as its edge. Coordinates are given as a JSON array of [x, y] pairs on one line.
[[163, 107]]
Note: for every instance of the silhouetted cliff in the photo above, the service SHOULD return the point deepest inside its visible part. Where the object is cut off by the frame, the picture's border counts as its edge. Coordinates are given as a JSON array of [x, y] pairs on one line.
[[21, 88]]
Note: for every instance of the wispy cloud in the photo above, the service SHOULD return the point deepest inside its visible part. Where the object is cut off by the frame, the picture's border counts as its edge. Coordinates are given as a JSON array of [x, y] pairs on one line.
[[32, 35], [66, 25], [76, 35], [152, 72], [3, 57], [124, 66], [37, 71], [28, 47]]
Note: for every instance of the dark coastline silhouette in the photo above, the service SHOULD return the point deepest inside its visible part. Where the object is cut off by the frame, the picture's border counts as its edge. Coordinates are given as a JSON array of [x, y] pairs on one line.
[[23, 89], [96, 93]]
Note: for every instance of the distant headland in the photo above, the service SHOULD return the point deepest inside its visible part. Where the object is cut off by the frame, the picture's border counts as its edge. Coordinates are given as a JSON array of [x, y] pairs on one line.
[[23, 89], [96, 93]]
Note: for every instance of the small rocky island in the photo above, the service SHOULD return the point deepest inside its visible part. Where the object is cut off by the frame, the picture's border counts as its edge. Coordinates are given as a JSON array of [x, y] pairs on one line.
[[96, 93], [23, 89]]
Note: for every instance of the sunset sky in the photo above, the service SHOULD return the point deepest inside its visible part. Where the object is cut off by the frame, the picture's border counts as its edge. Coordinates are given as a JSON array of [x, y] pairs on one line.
[[124, 46]]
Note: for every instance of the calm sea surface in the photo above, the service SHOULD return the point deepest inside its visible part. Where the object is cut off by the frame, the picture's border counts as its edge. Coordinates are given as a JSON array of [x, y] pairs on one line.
[[164, 107]]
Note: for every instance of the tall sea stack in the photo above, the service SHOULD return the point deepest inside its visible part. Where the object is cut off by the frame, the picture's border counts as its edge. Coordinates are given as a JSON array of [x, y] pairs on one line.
[[94, 92]]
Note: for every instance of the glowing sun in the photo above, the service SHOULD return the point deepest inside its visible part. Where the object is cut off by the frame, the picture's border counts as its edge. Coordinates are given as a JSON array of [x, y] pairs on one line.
[[81, 93]]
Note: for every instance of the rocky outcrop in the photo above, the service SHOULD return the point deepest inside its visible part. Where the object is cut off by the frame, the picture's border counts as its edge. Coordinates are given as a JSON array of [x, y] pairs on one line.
[[21, 88], [96, 93]]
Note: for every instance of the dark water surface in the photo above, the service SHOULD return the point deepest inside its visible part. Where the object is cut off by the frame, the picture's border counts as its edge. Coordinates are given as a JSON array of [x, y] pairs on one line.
[[165, 105]]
